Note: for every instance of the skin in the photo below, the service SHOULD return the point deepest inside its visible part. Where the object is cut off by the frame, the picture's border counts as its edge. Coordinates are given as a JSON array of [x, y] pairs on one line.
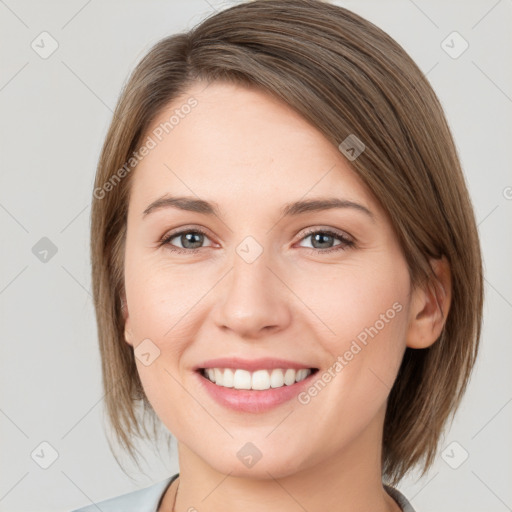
[[251, 154]]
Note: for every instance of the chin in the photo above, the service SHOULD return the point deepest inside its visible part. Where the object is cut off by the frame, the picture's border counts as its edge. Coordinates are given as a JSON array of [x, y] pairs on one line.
[[262, 463]]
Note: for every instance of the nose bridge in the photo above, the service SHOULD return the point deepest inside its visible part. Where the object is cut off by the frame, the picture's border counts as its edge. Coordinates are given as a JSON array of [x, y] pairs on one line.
[[253, 298]]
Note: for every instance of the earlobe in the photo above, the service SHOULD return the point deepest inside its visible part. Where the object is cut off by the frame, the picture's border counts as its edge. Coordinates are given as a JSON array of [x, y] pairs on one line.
[[124, 309], [430, 306], [128, 337]]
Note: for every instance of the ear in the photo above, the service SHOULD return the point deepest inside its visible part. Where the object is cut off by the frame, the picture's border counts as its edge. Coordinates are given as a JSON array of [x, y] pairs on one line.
[[429, 307], [128, 335]]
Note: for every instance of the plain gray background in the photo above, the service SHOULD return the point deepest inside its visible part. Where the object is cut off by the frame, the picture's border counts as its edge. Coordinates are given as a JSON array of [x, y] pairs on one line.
[[55, 112]]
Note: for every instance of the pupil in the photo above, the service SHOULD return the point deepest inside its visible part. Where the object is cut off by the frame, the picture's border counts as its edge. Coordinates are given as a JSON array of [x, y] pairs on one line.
[[322, 236], [188, 238]]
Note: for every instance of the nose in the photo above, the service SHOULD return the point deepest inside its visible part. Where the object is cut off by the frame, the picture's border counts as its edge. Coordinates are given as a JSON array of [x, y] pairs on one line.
[[252, 300]]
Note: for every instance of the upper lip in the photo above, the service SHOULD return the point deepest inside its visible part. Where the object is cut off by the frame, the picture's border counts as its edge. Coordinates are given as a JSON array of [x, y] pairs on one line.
[[251, 364]]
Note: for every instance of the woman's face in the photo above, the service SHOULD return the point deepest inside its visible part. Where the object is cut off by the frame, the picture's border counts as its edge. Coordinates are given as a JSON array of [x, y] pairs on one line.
[[302, 287]]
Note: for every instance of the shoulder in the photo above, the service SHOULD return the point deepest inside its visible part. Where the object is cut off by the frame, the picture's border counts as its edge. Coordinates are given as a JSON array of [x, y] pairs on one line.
[[402, 501], [142, 500]]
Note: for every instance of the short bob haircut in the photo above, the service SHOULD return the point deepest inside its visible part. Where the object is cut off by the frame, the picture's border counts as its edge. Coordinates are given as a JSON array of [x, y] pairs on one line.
[[345, 76]]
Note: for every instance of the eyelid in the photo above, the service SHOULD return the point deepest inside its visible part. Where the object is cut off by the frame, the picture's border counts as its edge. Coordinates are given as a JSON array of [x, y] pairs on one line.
[[309, 231], [169, 235], [326, 229], [346, 241], [183, 229]]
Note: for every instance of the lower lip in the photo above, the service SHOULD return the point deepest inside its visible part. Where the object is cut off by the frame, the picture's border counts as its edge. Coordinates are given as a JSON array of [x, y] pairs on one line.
[[254, 401]]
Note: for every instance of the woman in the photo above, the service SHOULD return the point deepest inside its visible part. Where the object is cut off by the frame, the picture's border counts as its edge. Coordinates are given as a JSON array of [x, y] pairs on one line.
[[286, 266]]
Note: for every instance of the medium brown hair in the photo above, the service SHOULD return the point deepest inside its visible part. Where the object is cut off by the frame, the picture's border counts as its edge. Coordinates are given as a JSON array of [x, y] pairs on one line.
[[345, 76]]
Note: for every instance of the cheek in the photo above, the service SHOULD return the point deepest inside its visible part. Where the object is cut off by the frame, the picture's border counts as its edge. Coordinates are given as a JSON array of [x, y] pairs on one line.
[[357, 300], [160, 297], [363, 311], [164, 307], [161, 305], [369, 319]]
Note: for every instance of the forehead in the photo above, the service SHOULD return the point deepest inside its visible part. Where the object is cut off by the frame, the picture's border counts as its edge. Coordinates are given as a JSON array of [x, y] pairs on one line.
[[236, 143]]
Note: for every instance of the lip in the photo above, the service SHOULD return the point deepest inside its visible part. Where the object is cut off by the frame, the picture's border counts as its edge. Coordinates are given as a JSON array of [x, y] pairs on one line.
[[252, 401], [251, 365]]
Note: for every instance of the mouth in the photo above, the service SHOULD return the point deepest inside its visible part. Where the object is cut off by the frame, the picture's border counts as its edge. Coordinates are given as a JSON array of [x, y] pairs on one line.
[[253, 385], [258, 380]]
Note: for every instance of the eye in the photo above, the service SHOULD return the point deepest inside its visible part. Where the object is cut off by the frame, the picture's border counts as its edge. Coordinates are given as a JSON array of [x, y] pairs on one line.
[[324, 238], [190, 240]]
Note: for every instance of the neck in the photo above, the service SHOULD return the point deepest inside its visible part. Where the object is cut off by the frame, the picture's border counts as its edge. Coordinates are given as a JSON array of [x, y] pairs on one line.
[[348, 481]]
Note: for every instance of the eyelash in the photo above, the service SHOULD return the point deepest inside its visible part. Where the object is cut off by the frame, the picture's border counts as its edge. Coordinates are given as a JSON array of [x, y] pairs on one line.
[[345, 244]]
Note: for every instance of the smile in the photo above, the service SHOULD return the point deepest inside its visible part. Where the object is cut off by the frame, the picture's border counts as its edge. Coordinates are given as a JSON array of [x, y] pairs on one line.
[[255, 390], [258, 380]]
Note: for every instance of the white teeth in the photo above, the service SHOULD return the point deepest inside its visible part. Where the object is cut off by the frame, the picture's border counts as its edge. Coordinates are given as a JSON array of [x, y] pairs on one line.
[[228, 378], [242, 379], [289, 377], [276, 379], [258, 380], [302, 374]]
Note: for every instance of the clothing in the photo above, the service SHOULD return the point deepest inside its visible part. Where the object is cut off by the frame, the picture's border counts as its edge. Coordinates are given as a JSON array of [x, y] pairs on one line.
[[148, 499], [143, 500], [402, 501]]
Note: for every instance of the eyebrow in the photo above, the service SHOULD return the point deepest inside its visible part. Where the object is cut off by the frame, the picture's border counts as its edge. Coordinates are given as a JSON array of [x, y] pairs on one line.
[[193, 204]]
